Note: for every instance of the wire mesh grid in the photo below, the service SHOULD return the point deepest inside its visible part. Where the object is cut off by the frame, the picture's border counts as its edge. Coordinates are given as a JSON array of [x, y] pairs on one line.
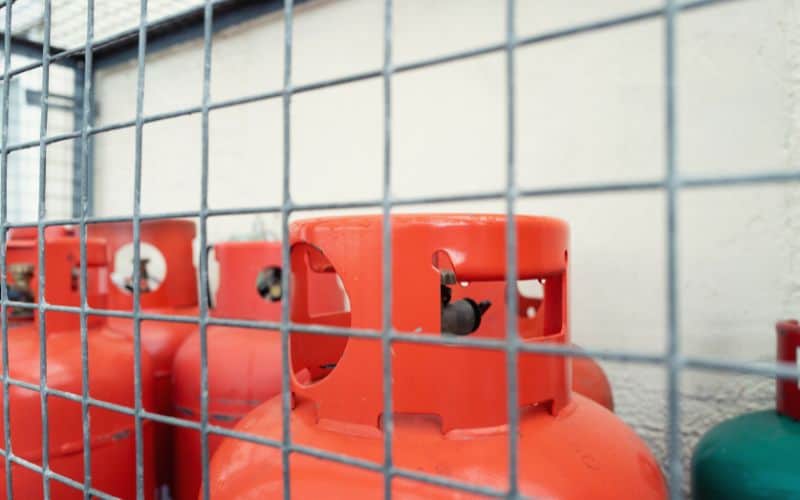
[[24, 124], [672, 359], [68, 19]]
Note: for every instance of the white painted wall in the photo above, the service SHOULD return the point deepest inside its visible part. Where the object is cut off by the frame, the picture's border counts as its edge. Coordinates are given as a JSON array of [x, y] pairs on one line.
[[589, 109]]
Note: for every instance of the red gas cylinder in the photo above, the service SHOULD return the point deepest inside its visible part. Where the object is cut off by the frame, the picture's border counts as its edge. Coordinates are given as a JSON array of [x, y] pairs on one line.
[[244, 364], [111, 368], [450, 402], [168, 286]]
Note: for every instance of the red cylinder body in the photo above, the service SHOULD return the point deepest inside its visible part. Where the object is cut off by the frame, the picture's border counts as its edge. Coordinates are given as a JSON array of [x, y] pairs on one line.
[[111, 369], [244, 364], [450, 402], [168, 244]]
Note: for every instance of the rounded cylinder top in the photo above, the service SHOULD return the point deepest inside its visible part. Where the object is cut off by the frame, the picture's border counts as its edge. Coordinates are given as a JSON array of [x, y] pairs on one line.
[[167, 274], [788, 389], [436, 260]]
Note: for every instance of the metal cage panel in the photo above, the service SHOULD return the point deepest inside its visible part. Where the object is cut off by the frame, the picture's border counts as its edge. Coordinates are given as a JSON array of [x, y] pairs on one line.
[[83, 132]]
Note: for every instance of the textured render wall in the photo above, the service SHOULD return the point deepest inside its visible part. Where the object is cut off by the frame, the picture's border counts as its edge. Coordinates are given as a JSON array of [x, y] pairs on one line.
[[589, 109]]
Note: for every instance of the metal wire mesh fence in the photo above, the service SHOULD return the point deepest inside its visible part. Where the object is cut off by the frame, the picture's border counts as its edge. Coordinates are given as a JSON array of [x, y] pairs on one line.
[[671, 358], [24, 116]]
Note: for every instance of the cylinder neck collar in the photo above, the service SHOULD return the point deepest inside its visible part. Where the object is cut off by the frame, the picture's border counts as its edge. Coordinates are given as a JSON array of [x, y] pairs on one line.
[[240, 263], [62, 259], [171, 240], [464, 387]]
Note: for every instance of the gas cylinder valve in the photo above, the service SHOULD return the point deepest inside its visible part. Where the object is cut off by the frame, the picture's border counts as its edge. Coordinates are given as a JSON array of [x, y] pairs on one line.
[[268, 284], [463, 316], [144, 277], [19, 289]]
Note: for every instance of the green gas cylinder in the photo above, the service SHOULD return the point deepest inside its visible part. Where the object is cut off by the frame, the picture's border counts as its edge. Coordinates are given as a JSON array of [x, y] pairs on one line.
[[756, 455]]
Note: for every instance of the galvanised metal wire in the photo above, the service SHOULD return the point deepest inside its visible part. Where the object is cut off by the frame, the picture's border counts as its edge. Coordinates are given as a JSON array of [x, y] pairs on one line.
[[88, 99], [7, 447], [512, 337], [672, 358], [286, 210], [41, 214], [25, 117], [386, 263], [115, 16], [137, 209], [674, 462]]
